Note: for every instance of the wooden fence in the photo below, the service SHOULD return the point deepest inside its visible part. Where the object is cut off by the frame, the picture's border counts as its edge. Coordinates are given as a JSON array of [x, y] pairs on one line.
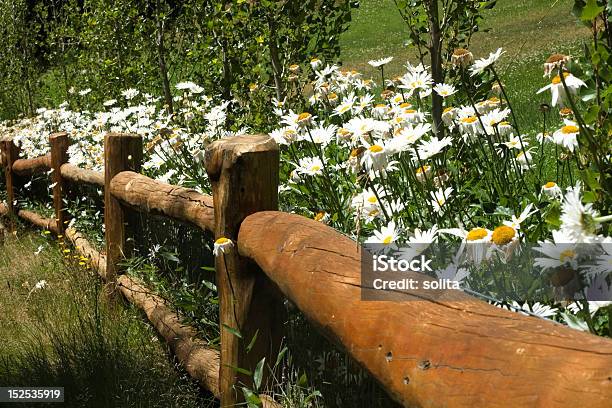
[[435, 352]]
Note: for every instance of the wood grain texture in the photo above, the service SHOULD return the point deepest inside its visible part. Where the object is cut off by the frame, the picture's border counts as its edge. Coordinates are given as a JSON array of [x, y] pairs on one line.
[[28, 167], [428, 352], [244, 174], [59, 155], [122, 152], [78, 175], [151, 196], [10, 151]]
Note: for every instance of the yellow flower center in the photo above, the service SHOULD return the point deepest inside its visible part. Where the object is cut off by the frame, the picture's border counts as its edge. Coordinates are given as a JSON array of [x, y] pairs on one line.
[[569, 129], [332, 96], [372, 199], [319, 216], [567, 255], [469, 119], [550, 184], [450, 108], [380, 106], [405, 105], [410, 111], [304, 116], [476, 234], [315, 168], [565, 111], [422, 169], [376, 148], [557, 79], [222, 241], [388, 240], [503, 235], [494, 99]]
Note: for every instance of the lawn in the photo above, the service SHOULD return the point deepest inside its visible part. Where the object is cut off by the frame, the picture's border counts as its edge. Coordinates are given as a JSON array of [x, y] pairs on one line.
[[64, 333], [529, 31]]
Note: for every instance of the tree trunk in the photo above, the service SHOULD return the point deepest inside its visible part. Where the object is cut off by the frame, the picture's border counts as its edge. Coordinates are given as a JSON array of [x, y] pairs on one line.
[[161, 52], [437, 72], [277, 68]]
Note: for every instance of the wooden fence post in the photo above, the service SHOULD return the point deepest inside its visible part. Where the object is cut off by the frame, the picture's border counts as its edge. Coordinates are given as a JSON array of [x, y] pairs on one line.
[[11, 153], [244, 174], [59, 155], [122, 152]]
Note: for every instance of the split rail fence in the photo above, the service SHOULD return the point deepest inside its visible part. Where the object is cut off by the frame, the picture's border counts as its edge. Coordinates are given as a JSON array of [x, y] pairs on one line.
[[432, 352]]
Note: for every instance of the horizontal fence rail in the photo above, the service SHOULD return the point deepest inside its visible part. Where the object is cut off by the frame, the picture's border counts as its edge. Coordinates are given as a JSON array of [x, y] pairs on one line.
[[434, 351], [77, 175], [151, 196], [27, 167], [428, 352]]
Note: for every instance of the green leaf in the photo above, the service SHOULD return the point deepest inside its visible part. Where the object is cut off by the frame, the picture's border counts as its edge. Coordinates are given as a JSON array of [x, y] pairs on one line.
[[303, 381], [240, 370], [591, 11], [589, 197], [553, 216], [252, 400], [280, 356], [235, 332], [258, 375], [252, 343]]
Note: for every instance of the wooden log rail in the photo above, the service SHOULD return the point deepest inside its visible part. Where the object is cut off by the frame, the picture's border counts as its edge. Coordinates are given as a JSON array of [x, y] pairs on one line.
[[432, 352], [28, 167], [151, 196], [82, 176]]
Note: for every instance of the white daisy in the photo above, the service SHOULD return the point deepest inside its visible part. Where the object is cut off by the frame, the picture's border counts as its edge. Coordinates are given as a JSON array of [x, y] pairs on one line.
[[380, 62], [221, 245], [567, 135], [551, 189], [480, 65], [577, 219], [440, 197], [310, 166], [444, 90], [559, 96]]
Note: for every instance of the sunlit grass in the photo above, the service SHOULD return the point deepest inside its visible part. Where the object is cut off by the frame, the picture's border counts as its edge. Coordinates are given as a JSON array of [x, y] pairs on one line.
[[66, 334]]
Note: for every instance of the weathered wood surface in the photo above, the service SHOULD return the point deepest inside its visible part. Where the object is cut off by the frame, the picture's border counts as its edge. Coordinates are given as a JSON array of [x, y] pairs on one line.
[[151, 196], [27, 167], [428, 352], [244, 174], [59, 155], [10, 152], [47, 224], [122, 152], [78, 175]]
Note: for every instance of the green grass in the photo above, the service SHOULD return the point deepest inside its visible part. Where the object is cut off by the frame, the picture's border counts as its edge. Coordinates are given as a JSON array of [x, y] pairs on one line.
[[529, 31], [66, 334], [521, 27]]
